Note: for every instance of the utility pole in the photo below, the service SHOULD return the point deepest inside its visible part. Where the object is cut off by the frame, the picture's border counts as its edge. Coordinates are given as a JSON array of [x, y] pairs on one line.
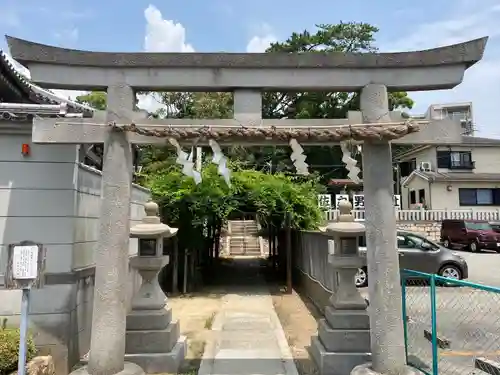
[[398, 179]]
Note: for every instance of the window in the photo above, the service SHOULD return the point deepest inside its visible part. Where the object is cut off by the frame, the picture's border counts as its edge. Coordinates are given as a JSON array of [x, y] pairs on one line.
[[413, 197], [443, 159], [406, 167], [457, 115], [479, 197], [460, 159], [478, 226], [421, 196], [419, 241], [403, 243], [454, 159], [411, 241], [413, 164]]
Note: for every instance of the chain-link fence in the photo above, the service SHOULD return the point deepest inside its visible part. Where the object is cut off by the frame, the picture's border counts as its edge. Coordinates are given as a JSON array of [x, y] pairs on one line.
[[451, 326]]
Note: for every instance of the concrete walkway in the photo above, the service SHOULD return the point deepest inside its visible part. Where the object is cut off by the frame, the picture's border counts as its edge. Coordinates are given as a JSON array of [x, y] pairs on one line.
[[247, 335]]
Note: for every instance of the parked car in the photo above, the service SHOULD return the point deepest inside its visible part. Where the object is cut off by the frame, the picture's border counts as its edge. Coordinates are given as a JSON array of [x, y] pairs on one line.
[[495, 225], [475, 235], [420, 254]]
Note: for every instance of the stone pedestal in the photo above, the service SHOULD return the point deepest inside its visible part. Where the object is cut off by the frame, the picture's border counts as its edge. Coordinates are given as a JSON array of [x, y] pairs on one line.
[[343, 340], [153, 339]]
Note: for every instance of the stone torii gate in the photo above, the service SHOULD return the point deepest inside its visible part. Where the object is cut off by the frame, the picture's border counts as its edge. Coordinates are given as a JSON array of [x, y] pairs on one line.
[[247, 75]]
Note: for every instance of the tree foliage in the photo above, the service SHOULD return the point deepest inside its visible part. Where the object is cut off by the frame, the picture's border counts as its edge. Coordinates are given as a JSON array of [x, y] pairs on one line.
[[350, 37], [94, 99], [344, 37], [9, 348], [270, 196]]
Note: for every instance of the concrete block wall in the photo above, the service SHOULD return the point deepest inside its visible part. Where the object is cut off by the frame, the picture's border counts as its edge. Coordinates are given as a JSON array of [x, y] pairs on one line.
[[88, 190], [37, 203], [37, 199], [314, 277], [429, 229], [87, 203], [50, 198]]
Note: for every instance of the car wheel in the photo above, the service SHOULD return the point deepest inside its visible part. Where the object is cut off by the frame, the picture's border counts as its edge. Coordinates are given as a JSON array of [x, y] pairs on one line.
[[361, 278], [450, 272], [473, 247], [447, 243]]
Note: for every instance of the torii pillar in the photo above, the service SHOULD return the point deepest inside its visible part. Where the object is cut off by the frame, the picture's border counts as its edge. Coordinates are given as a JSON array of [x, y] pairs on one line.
[[109, 315], [384, 288]]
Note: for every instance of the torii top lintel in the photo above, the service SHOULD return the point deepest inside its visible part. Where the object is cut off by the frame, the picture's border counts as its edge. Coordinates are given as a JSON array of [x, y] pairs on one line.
[[433, 69]]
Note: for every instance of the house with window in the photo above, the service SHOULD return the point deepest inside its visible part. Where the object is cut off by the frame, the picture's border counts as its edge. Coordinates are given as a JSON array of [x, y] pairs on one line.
[[461, 113], [452, 176]]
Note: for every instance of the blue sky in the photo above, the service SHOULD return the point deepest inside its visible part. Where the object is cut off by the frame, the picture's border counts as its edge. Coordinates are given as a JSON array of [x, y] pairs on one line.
[[228, 25]]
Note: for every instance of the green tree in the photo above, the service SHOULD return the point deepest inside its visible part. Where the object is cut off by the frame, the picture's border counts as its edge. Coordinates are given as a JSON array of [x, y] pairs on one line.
[[349, 37], [94, 99], [344, 37]]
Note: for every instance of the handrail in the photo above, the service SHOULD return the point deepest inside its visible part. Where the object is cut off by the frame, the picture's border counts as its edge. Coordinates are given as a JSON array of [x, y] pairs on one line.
[[447, 280]]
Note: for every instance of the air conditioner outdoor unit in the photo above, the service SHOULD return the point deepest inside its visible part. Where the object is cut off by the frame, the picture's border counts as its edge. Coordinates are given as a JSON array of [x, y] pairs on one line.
[[426, 166]]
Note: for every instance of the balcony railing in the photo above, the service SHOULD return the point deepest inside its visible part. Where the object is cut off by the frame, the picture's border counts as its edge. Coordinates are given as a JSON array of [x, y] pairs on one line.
[[462, 165], [427, 215]]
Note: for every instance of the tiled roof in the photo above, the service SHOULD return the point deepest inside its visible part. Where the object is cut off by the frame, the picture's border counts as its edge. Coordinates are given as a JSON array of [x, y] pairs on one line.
[[15, 88], [452, 177], [469, 140]]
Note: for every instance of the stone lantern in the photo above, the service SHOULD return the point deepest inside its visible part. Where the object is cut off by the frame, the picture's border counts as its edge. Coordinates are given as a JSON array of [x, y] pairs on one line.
[[343, 340], [343, 255], [152, 339]]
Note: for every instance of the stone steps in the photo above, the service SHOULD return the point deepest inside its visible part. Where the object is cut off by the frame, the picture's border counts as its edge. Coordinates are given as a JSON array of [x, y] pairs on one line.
[[244, 238]]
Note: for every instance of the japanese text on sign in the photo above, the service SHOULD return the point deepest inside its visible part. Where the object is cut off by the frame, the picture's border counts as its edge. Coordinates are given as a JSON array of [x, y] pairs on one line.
[[25, 262], [358, 201], [325, 201], [339, 198]]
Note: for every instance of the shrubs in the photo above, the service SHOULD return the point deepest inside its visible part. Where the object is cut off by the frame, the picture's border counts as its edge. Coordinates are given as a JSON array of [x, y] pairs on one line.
[[9, 349]]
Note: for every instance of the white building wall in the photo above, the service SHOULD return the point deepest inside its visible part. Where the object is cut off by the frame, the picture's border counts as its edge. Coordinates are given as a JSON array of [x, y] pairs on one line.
[[442, 199]]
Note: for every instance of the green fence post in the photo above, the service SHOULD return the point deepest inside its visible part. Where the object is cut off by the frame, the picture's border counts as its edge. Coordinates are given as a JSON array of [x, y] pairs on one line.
[[405, 317], [434, 326]]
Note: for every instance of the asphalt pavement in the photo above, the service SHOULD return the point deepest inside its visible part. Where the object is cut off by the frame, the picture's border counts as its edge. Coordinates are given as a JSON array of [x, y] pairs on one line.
[[483, 267], [468, 319]]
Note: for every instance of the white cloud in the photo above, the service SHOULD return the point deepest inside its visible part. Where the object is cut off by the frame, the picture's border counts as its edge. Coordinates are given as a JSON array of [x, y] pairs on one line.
[[260, 43], [149, 102], [481, 84], [262, 39], [164, 35]]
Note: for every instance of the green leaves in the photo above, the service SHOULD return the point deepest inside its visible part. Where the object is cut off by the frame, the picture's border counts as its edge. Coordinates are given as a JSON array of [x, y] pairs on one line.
[[94, 99], [184, 203]]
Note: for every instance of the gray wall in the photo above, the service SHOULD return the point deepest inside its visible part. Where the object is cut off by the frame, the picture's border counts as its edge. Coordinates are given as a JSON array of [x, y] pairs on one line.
[[313, 276], [48, 197]]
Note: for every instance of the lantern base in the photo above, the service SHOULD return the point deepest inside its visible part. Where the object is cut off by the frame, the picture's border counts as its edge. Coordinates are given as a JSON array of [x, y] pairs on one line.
[[159, 363], [128, 369], [339, 363], [365, 369], [343, 341]]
